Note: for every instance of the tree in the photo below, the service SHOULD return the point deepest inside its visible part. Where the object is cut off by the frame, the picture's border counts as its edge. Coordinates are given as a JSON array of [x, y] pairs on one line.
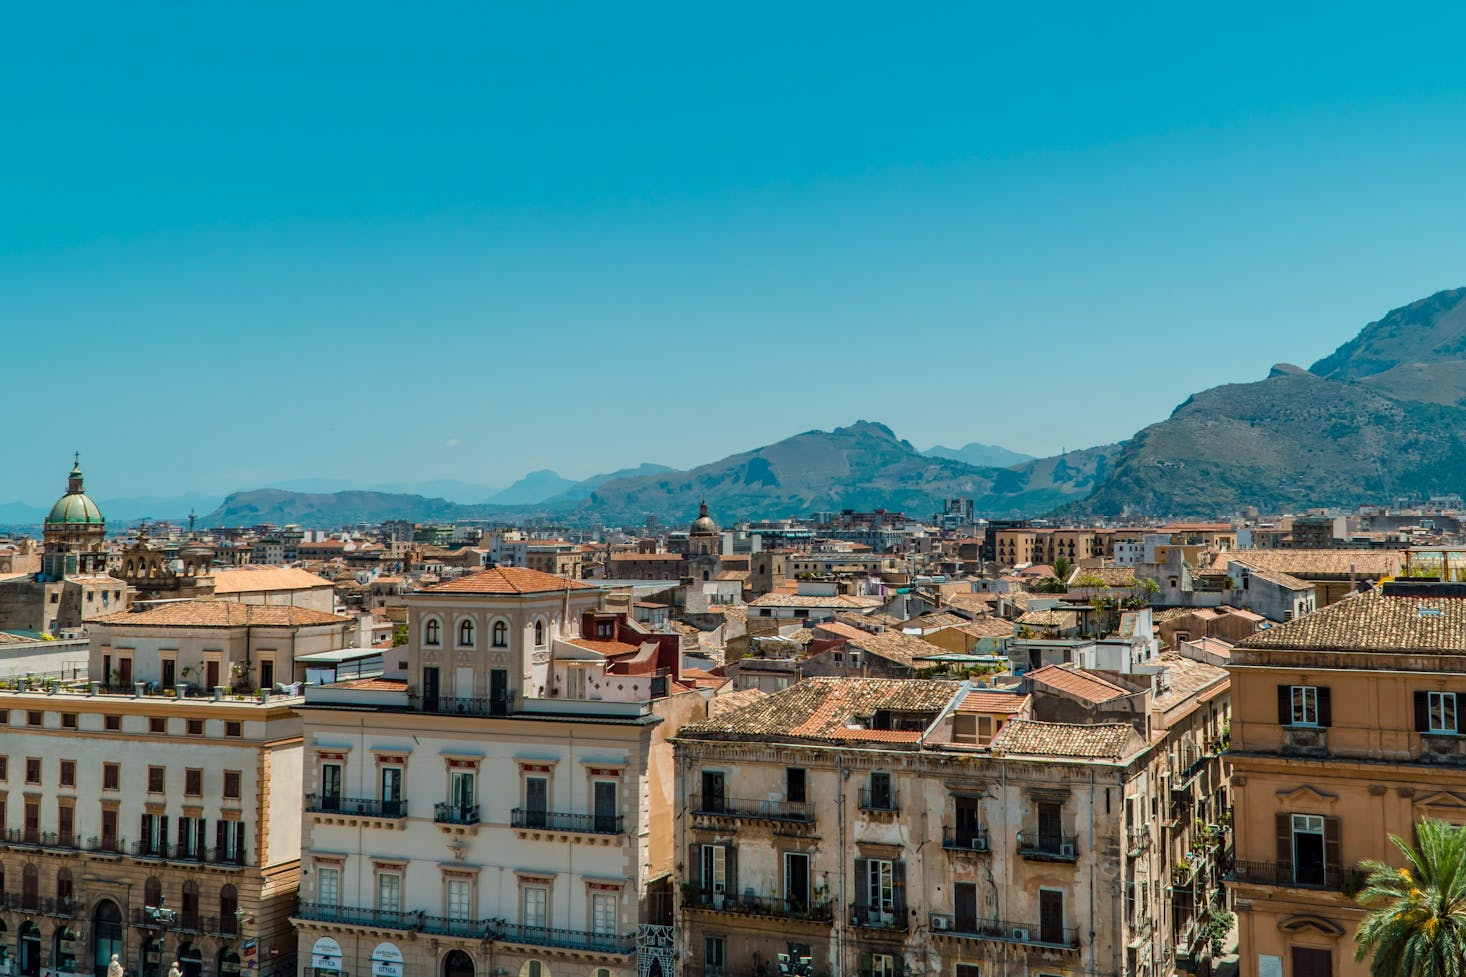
[[1418, 925], [399, 636], [1062, 568]]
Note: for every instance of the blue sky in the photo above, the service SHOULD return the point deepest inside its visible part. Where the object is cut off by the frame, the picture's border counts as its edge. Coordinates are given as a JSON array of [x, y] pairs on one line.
[[386, 242]]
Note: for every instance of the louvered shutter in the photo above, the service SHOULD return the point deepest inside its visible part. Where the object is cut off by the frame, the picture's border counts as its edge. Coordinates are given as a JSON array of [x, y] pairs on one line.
[[1325, 710], [1422, 711], [1285, 705]]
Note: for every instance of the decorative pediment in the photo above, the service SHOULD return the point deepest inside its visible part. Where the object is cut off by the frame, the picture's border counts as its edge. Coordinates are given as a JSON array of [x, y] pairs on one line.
[[1443, 798], [1306, 794], [1296, 924]]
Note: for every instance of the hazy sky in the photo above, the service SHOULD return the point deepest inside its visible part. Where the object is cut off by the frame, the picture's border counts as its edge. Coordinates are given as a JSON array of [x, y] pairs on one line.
[[241, 244]]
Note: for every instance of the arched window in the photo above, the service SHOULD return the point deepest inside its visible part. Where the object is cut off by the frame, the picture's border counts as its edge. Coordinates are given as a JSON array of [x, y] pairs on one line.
[[228, 904], [188, 912], [432, 632], [539, 633], [465, 634], [30, 887], [501, 634], [152, 892], [63, 887]]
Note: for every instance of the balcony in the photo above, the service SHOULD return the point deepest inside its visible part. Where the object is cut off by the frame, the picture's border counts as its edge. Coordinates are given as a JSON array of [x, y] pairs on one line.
[[356, 807], [878, 801], [162, 851], [1443, 748], [754, 809], [1137, 839], [32, 904], [1307, 741], [473, 929], [544, 936], [1044, 847], [63, 840], [888, 919], [449, 812], [965, 839], [461, 706], [597, 824], [947, 926], [1323, 877], [394, 919], [777, 907], [223, 927]]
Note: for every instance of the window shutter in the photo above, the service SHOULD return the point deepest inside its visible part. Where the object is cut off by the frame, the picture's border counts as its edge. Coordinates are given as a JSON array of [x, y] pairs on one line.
[[221, 835], [1332, 858], [183, 834], [145, 834], [1285, 841], [694, 866], [898, 886], [1325, 713], [862, 882], [1285, 705], [163, 831], [1422, 711], [203, 836], [730, 854], [867, 963]]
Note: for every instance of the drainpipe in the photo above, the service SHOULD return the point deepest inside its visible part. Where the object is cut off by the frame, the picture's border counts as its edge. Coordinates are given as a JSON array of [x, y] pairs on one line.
[[838, 964]]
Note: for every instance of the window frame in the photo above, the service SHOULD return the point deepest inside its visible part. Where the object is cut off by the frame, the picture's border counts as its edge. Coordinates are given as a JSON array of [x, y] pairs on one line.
[[1305, 702], [1445, 702]]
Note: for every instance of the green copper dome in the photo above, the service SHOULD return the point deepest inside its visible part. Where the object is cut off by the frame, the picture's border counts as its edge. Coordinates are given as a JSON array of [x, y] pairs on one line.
[[75, 508]]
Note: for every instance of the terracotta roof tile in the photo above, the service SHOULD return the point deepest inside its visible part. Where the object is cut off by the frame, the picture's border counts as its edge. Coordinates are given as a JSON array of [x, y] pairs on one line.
[[1374, 622], [220, 614], [1078, 683], [1096, 741], [243, 580], [1006, 703], [827, 709], [507, 580], [1315, 564]]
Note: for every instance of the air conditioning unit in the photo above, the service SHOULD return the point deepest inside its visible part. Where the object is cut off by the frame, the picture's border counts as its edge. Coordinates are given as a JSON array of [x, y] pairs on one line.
[[1020, 933], [940, 922], [1067, 850]]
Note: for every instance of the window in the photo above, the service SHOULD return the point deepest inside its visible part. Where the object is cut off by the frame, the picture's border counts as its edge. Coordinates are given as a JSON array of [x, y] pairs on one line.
[[1435, 712], [1303, 705], [603, 914], [465, 634], [4, 768], [68, 773], [1051, 916], [112, 723], [501, 634], [193, 783], [195, 727], [233, 729], [794, 785], [68, 720], [35, 719], [157, 724], [432, 632], [111, 776], [539, 634], [459, 899], [713, 872], [714, 953], [535, 906], [231, 785], [157, 779], [713, 798], [796, 881], [33, 770], [880, 965], [882, 797], [1309, 844], [389, 892], [328, 885]]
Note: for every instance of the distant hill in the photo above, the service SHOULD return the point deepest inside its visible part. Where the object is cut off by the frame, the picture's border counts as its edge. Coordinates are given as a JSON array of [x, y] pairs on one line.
[[981, 455], [863, 466], [535, 487], [1378, 417]]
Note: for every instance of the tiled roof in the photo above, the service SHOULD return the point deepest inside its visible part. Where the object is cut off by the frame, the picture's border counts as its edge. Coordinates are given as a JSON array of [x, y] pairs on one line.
[[893, 646], [1185, 677], [1311, 564], [220, 614], [608, 649], [1284, 580], [984, 627], [1374, 622], [1107, 577], [1096, 741], [1049, 619], [244, 580], [840, 630], [507, 580], [826, 708], [1006, 703], [733, 701], [816, 600], [377, 684], [1081, 684]]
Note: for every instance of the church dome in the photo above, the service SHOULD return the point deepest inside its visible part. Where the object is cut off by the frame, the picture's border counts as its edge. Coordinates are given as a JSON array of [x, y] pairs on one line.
[[703, 525], [75, 508]]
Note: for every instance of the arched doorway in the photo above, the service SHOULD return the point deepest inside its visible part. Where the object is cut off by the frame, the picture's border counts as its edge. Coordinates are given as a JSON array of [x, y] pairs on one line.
[[191, 959], [106, 936], [4, 948], [30, 950], [152, 959], [457, 964], [228, 963], [63, 950]]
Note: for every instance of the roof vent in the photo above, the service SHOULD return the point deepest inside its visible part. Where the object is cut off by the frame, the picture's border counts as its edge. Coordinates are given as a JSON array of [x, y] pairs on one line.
[[1428, 612]]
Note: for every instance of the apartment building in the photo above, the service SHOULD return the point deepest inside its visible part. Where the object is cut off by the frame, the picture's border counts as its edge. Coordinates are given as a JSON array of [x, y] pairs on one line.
[[158, 828], [1346, 730], [504, 810], [879, 827]]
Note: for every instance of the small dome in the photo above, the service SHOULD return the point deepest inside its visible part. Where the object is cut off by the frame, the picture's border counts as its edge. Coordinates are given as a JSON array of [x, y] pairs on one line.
[[703, 525], [75, 510]]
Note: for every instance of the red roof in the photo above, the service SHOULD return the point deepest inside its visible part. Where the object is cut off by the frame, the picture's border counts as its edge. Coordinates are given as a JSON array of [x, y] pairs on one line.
[[1077, 683], [1004, 702], [507, 580]]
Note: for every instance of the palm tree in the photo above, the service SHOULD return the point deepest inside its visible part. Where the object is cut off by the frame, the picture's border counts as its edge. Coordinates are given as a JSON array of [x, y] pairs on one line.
[[1418, 928]]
